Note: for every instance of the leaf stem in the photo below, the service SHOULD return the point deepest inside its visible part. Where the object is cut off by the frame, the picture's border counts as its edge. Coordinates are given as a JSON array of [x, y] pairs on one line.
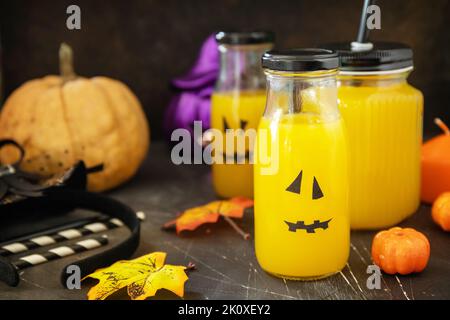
[[191, 267], [170, 225], [233, 224]]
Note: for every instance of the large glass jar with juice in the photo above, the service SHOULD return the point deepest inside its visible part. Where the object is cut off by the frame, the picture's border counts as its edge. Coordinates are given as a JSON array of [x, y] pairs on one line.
[[237, 105], [383, 115], [302, 227]]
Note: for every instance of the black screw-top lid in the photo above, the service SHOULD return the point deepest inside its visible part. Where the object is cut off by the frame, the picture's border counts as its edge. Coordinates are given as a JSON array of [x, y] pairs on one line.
[[239, 38], [383, 56], [309, 59]]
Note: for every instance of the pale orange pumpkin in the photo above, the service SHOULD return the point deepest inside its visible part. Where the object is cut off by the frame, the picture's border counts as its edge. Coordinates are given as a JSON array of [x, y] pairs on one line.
[[400, 250], [441, 211], [60, 120]]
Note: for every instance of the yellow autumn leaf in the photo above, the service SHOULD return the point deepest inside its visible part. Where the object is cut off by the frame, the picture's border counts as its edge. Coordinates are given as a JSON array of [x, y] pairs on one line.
[[142, 277]]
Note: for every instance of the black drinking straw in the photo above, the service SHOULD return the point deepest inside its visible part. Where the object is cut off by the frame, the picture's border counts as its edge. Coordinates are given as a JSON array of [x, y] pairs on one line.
[[363, 32]]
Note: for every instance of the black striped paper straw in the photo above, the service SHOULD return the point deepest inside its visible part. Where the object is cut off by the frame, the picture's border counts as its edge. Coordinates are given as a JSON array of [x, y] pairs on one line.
[[67, 234], [60, 252]]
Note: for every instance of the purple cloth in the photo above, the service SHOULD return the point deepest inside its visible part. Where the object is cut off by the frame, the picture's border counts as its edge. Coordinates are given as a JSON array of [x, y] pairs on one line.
[[193, 101]]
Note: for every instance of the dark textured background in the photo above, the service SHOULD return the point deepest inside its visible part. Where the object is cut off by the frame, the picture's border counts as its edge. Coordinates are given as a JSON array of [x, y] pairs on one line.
[[146, 43]]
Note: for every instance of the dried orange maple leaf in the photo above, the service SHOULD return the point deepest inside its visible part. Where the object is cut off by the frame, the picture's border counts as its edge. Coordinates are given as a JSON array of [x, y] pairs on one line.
[[210, 213], [142, 277]]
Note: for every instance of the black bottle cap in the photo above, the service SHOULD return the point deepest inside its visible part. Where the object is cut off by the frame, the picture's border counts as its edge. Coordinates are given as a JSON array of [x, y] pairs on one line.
[[309, 59], [240, 38], [381, 56]]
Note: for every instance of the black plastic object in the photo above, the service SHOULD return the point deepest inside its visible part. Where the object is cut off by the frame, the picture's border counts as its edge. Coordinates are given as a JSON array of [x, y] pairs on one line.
[[17, 185], [20, 223], [383, 56], [8, 273], [26, 195], [241, 38], [66, 198], [301, 60]]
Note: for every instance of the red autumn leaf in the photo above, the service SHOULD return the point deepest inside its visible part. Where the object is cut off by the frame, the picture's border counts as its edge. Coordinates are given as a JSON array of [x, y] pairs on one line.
[[193, 218]]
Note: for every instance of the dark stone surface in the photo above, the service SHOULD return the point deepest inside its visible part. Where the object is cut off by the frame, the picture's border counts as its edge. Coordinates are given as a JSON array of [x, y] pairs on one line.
[[147, 43], [226, 264]]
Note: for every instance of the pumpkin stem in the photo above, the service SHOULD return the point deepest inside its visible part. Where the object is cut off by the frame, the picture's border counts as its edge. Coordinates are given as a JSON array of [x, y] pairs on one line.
[[442, 125], [66, 63]]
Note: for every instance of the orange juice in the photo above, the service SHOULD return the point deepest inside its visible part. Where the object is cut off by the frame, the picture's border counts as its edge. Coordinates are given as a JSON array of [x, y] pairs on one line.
[[383, 115], [302, 222], [237, 104], [384, 122], [236, 110], [301, 211]]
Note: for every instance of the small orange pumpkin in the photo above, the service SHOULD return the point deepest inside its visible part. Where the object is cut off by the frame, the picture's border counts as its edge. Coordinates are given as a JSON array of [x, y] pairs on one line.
[[400, 250], [436, 165], [441, 211], [60, 120]]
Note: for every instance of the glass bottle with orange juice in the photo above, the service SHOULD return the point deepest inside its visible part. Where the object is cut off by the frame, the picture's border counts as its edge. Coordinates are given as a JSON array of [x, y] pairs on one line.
[[238, 103], [302, 227], [383, 115]]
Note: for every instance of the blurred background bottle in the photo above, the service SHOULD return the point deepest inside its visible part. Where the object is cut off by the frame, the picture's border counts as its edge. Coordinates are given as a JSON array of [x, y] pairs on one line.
[[238, 102]]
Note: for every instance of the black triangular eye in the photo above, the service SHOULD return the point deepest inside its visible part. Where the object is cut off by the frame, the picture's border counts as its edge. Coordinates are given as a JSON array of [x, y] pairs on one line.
[[243, 124], [296, 185], [225, 125], [317, 192]]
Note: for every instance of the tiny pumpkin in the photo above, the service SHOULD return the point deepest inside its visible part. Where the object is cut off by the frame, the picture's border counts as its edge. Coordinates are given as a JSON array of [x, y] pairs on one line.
[[441, 211], [400, 250], [60, 120]]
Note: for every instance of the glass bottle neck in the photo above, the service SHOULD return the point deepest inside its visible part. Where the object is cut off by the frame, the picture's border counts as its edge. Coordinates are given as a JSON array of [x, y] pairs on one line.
[[311, 94], [240, 67]]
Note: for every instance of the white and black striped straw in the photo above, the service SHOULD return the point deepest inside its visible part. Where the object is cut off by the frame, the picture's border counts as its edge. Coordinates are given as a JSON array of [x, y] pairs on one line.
[[60, 252], [67, 234]]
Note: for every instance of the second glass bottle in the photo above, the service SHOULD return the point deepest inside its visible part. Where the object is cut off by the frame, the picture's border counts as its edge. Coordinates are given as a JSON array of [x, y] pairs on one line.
[[238, 102]]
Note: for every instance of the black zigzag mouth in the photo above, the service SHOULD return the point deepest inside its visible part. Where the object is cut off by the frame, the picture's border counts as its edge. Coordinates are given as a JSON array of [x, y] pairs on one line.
[[309, 228]]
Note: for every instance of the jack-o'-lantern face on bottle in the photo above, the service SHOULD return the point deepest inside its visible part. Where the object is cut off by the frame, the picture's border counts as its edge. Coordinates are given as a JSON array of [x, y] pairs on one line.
[[238, 129], [315, 194], [239, 115]]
